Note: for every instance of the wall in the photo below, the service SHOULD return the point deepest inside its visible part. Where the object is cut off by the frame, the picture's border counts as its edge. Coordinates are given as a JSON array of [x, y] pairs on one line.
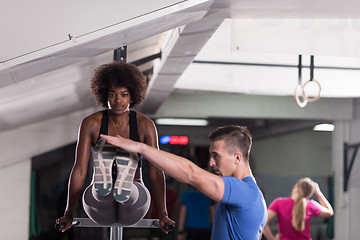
[[347, 211], [15, 200], [303, 153], [278, 162], [17, 147], [270, 162]]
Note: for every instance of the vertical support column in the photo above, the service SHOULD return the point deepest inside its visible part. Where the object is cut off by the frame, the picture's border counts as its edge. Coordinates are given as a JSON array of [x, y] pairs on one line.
[[347, 167], [120, 54], [116, 233], [341, 204], [15, 198]]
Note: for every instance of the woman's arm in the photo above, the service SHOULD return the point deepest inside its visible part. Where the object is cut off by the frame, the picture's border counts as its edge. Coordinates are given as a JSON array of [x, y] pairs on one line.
[[157, 176], [267, 231], [78, 173], [326, 209]]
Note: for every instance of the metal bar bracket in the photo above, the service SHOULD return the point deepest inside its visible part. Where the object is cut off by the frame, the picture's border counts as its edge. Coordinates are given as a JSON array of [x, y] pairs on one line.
[[120, 54], [348, 167]]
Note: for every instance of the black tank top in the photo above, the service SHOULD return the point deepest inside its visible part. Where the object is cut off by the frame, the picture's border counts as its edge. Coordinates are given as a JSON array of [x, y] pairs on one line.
[[134, 134]]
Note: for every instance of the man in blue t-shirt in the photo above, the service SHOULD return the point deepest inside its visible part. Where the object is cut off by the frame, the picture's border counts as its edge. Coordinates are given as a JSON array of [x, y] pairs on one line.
[[241, 210], [194, 216]]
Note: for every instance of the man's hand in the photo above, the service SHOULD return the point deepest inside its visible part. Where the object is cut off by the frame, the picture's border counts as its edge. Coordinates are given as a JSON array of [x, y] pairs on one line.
[[123, 143]]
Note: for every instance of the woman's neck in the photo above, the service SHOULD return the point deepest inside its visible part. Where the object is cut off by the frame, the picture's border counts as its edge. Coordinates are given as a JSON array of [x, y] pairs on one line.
[[119, 119]]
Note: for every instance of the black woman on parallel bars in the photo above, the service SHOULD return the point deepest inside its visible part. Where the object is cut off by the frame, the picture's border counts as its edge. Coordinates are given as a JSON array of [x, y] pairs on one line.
[[117, 193]]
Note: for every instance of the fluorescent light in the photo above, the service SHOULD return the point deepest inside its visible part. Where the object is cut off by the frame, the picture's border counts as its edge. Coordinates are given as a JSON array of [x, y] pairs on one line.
[[324, 127], [181, 121]]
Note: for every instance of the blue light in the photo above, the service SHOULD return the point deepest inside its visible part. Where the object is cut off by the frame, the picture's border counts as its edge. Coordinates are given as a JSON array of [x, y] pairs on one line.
[[165, 139]]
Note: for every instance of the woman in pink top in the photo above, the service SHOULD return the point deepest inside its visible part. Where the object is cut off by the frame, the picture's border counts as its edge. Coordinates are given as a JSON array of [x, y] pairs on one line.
[[294, 213]]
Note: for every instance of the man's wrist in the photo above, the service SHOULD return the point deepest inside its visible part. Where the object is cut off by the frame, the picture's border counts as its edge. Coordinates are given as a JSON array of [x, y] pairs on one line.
[[141, 148]]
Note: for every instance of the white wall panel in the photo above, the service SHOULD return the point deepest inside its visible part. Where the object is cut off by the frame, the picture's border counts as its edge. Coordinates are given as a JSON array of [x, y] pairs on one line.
[[34, 139], [305, 153], [15, 199]]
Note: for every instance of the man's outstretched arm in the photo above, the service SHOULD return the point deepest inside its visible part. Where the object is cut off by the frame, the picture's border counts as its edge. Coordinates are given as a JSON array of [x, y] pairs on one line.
[[177, 167]]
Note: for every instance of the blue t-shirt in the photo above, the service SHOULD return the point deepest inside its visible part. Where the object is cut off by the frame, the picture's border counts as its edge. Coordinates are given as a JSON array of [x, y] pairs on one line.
[[197, 210], [182, 197], [242, 212]]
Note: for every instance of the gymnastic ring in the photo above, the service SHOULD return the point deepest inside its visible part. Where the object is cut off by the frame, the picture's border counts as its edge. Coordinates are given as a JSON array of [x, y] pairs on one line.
[[314, 98], [297, 97]]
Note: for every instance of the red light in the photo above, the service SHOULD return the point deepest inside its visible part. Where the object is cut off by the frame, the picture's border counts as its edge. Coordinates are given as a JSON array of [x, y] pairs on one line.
[[183, 140], [176, 140]]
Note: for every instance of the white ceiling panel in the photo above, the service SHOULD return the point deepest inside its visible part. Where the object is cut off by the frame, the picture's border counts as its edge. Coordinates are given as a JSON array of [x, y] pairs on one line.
[[252, 71], [78, 48], [276, 81], [291, 8], [311, 36], [41, 24], [51, 71]]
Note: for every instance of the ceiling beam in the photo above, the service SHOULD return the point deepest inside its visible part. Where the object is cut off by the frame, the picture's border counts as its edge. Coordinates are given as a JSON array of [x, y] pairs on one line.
[[179, 52], [78, 48]]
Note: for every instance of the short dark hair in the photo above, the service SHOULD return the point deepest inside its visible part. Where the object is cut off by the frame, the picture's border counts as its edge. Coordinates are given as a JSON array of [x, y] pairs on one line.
[[118, 74], [235, 137]]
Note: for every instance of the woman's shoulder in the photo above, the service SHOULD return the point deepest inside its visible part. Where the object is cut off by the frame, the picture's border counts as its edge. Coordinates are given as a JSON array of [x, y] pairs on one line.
[[141, 116], [146, 129], [93, 119], [283, 199], [143, 120], [96, 115], [313, 207], [280, 202], [312, 202]]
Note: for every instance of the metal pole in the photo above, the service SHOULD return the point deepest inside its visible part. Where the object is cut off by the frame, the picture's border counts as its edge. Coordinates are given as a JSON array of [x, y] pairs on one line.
[[116, 233]]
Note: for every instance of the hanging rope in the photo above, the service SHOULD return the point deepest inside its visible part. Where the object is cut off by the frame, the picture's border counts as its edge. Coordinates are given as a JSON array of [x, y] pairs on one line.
[[311, 67], [300, 88], [312, 80], [302, 103]]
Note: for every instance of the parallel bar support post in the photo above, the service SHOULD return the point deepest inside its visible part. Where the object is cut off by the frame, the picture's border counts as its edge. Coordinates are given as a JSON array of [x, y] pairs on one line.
[[116, 233]]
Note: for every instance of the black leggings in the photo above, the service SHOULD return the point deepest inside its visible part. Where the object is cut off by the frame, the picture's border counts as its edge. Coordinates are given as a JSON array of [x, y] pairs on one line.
[[105, 210]]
